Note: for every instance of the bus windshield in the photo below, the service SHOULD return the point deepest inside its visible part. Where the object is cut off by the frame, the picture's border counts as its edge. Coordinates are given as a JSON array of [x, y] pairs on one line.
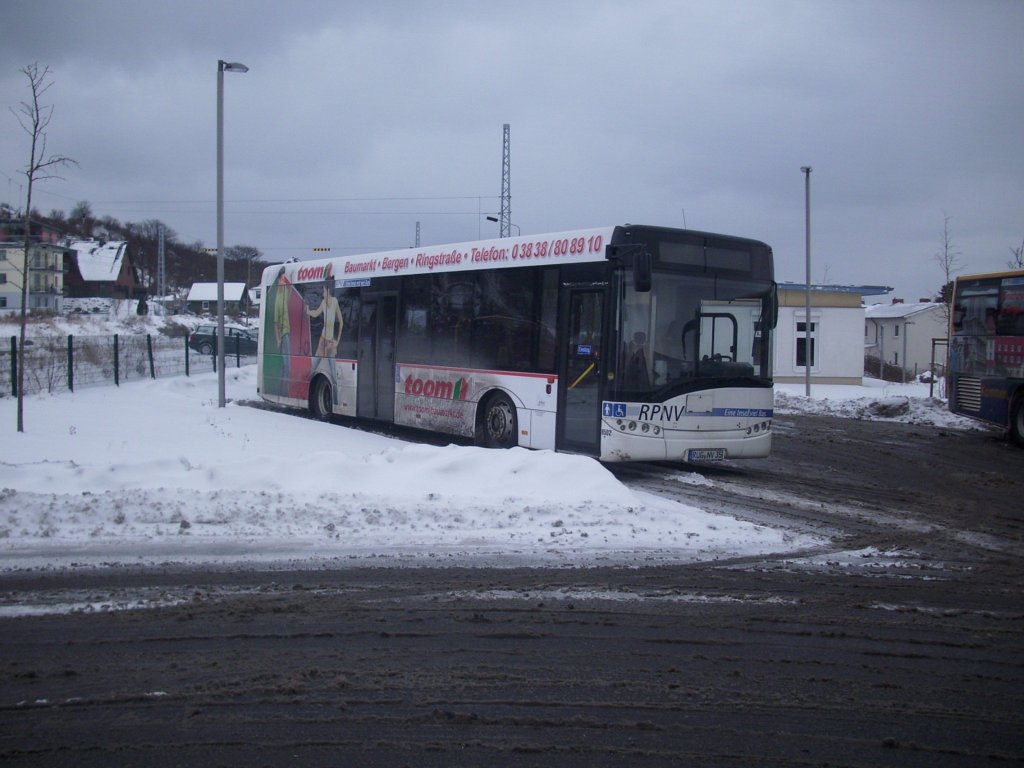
[[985, 309], [986, 350], [691, 332]]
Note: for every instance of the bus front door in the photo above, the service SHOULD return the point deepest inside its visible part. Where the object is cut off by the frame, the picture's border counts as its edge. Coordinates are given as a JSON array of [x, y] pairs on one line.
[[375, 387], [581, 371]]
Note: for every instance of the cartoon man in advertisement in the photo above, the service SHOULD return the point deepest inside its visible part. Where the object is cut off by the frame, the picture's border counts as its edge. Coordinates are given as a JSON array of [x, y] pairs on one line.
[[330, 335]]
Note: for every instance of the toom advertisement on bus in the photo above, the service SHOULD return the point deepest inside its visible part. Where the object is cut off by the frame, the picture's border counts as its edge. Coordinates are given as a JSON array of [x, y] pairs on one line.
[[435, 398], [445, 400]]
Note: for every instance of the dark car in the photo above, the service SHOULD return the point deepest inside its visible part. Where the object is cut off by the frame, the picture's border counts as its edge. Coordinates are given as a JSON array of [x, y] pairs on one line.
[[236, 338]]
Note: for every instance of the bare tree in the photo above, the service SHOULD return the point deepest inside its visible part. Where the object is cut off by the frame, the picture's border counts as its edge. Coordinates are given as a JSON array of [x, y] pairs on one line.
[[34, 118], [240, 253], [81, 217], [1017, 262], [948, 259]]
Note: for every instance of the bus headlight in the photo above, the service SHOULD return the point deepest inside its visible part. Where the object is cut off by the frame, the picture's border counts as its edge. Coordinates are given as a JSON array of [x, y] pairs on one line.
[[631, 426]]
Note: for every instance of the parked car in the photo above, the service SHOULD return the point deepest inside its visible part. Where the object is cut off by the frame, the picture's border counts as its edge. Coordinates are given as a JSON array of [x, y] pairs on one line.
[[236, 337]]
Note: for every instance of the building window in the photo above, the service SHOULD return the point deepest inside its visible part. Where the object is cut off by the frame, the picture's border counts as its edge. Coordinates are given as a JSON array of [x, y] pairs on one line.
[[806, 351], [896, 331], [3, 301]]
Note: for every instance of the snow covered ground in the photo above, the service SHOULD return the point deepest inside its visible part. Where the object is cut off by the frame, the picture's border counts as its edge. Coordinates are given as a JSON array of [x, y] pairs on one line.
[[153, 472]]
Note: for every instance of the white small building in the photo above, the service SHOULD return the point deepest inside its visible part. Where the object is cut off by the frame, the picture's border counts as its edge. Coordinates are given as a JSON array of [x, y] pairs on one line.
[[902, 334], [836, 348], [202, 298]]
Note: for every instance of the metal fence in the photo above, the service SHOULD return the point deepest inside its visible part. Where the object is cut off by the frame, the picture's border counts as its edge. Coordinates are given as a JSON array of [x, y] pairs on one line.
[[59, 363]]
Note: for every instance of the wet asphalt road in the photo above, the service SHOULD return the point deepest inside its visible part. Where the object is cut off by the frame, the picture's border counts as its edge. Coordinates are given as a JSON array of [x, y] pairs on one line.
[[910, 656]]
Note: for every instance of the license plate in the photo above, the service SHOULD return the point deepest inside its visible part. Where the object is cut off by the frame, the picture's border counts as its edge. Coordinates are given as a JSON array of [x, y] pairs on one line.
[[705, 454]]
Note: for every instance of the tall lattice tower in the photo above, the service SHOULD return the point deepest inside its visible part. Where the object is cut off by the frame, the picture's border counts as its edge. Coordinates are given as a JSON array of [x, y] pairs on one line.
[[506, 186]]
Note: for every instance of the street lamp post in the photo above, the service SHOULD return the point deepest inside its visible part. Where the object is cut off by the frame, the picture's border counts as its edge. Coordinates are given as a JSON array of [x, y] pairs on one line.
[[495, 219], [222, 67], [806, 169]]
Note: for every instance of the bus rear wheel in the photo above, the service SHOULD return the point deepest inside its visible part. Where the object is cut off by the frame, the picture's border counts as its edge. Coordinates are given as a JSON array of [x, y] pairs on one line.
[[500, 427], [1017, 419], [321, 404]]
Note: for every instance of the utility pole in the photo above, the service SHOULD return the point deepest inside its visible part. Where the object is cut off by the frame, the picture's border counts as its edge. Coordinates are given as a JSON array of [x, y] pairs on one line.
[[808, 340], [417, 234], [161, 275], [506, 186]]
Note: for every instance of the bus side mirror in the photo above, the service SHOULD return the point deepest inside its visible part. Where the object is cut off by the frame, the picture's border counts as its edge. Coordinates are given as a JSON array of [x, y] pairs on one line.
[[642, 272], [773, 307]]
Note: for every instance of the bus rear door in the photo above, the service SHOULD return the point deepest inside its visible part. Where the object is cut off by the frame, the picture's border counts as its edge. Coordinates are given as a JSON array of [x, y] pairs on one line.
[[375, 395]]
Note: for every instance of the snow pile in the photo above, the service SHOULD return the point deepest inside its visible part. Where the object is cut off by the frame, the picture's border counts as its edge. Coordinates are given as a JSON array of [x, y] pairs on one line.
[[153, 471], [876, 400]]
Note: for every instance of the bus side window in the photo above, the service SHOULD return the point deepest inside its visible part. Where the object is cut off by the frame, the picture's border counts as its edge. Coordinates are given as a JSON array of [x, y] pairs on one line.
[[547, 330], [504, 336], [413, 339], [348, 300], [452, 309]]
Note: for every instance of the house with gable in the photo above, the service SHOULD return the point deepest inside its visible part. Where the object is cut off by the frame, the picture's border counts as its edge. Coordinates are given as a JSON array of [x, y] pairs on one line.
[[98, 269], [202, 298], [902, 334]]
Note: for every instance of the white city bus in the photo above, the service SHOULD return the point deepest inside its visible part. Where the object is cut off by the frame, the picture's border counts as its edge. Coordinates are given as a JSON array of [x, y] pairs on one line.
[[624, 343]]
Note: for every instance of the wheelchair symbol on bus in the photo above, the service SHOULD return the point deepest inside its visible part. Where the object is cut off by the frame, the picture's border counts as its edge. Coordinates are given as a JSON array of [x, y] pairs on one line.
[[615, 410]]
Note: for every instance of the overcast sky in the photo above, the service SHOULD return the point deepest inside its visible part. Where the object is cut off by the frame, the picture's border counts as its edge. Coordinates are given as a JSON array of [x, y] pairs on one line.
[[358, 119]]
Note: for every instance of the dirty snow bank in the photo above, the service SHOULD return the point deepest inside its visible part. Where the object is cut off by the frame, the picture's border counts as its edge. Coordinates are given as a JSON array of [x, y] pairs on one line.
[[876, 400]]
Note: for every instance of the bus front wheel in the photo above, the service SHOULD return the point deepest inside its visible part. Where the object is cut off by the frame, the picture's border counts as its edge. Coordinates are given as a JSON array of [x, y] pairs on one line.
[[322, 401], [499, 428], [1017, 419]]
